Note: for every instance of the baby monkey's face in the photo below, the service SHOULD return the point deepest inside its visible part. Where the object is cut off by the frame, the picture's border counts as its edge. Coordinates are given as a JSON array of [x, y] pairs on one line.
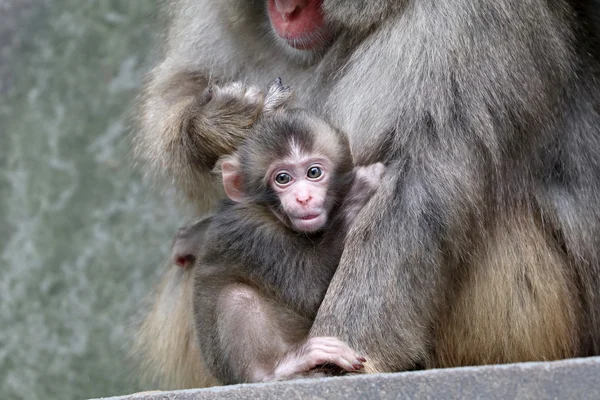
[[301, 183]]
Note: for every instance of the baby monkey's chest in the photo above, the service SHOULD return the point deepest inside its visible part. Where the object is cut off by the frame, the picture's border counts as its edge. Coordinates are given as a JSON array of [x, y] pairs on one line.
[[299, 281]]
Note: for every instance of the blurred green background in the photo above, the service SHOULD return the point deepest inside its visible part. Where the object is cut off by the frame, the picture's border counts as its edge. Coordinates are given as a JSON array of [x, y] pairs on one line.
[[82, 235]]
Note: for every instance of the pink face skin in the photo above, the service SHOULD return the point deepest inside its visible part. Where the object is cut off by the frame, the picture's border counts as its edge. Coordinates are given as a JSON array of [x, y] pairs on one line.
[[299, 23], [301, 185]]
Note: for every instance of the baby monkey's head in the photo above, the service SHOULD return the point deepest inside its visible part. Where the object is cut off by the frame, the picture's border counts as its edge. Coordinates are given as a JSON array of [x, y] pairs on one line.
[[296, 164]]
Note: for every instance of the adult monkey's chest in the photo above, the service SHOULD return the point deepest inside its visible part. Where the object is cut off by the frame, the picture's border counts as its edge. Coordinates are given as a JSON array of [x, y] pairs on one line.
[[356, 86]]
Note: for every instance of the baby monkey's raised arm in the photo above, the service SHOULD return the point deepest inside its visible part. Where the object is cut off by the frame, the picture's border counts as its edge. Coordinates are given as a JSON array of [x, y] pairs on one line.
[[269, 253]]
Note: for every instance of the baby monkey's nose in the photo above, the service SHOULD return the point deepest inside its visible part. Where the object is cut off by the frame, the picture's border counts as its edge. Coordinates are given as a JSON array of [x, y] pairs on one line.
[[303, 199]]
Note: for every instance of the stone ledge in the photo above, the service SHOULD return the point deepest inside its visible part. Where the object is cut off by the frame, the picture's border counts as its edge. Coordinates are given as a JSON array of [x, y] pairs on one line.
[[566, 379]]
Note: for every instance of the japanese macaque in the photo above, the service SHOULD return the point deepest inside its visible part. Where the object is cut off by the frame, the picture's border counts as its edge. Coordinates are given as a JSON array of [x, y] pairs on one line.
[[273, 248], [482, 244]]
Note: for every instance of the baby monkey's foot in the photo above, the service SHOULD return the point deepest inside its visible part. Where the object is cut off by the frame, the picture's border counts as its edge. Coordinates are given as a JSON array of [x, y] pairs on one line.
[[235, 101], [314, 352], [277, 96]]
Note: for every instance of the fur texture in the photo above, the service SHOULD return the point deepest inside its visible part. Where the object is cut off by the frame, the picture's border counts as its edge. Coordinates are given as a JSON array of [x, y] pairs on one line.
[[484, 242]]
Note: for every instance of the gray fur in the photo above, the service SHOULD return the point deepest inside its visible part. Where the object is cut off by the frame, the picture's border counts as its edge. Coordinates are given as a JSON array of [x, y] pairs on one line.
[[487, 115]]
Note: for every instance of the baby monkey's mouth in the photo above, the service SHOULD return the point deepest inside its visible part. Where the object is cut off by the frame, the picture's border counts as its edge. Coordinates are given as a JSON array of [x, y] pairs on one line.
[[309, 217], [309, 223]]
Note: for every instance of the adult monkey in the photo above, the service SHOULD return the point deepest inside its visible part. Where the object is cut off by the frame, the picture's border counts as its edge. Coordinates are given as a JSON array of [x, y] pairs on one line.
[[483, 245]]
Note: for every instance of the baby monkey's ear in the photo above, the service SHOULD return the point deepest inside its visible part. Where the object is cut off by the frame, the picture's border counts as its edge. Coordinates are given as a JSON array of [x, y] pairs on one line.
[[232, 178]]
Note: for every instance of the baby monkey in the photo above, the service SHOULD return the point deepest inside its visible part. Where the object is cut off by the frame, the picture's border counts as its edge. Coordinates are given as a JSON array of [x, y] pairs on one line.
[[264, 260]]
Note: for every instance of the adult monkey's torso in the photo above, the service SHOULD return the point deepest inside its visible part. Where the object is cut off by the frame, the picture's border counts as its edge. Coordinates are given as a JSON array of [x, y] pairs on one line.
[[468, 254]]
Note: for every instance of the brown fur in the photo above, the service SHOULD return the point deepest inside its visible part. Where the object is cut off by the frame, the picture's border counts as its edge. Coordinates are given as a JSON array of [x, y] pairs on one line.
[[517, 304], [203, 123], [166, 342]]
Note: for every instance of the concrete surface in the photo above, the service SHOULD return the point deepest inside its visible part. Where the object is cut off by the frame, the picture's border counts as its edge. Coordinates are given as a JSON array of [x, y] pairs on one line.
[[569, 379]]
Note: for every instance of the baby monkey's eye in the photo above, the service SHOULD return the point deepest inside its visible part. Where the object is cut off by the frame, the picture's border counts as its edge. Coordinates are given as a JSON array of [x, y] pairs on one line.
[[283, 178], [314, 172]]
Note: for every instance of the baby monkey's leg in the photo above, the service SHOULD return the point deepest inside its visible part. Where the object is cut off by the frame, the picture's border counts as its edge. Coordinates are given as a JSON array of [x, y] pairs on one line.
[[263, 341]]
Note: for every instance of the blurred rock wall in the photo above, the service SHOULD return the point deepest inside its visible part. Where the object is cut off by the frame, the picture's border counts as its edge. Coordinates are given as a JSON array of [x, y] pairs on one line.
[[82, 235]]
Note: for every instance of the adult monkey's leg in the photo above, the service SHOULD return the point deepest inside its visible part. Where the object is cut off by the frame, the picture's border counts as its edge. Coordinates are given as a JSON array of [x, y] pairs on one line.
[[517, 302]]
